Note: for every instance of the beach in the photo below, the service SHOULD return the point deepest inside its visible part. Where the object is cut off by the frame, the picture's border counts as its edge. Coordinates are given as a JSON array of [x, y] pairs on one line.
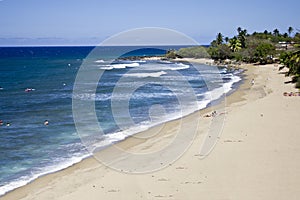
[[256, 155]]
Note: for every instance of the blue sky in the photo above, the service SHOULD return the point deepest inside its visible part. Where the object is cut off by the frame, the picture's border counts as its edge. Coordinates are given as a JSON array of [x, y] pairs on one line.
[[63, 22]]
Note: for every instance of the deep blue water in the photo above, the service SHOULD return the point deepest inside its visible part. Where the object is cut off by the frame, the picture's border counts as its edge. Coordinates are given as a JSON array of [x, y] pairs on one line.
[[29, 149]]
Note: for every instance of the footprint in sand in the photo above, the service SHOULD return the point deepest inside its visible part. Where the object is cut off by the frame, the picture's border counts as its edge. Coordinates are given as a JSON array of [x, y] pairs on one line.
[[162, 179], [165, 196], [113, 190]]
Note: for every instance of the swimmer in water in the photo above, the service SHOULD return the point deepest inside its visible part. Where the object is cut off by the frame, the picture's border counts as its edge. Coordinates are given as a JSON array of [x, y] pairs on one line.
[[46, 122]]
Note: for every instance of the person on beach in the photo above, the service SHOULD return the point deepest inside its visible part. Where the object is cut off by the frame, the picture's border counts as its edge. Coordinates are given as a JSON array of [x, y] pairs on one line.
[[252, 82], [290, 94], [214, 113]]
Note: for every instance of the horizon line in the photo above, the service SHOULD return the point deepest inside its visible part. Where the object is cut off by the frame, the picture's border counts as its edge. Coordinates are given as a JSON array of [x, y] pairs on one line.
[[156, 45]]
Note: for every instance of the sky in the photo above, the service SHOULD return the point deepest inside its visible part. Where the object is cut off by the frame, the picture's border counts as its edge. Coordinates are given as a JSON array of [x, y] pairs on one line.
[[88, 22]]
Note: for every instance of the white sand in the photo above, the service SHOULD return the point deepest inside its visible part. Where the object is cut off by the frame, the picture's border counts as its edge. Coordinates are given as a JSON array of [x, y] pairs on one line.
[[257, 155]]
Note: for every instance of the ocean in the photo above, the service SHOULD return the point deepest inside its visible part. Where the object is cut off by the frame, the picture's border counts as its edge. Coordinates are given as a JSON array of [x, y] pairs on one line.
[[36, 88]]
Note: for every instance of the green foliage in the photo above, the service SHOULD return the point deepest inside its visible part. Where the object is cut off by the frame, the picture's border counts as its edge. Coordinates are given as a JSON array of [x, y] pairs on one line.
[[171, 54], [272, 38], [245, 55], [219, 39], [298, 83], [242, 37], [264, 52], [226, 39], [297, 38], [193, 52], [251, 48], [276, 32], [290, 30], [256, 47], [214, 43], [291, 60], [235, 44], [220, 52], [250, 53]]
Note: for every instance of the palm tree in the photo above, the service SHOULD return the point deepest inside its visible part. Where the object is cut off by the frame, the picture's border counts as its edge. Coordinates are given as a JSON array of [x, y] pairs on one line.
[[235, 44], [219, 39], [290, 30], [239, 29], [266, 32], [242, 37], [276, 32], [226, 39], [245, 32]]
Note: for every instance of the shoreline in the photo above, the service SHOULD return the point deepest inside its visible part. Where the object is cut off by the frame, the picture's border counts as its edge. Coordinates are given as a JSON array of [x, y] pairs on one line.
[[208, 109], [47, 185]]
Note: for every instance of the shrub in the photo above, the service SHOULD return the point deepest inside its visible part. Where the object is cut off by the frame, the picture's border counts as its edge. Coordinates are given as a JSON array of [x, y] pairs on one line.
[[193, 52]]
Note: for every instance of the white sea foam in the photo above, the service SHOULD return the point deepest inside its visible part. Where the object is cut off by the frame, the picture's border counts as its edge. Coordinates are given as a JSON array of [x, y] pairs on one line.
[[46, 170], [188, 109], [181, 66], [162, 66], [166, 62], [217, 93], [214, 71], [93, 96], [145, 75], [99, 61], [138, 61], [120, 66]]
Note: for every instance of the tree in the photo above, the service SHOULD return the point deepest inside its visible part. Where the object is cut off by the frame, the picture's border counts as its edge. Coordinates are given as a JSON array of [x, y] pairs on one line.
[[220, 52], [171, 54], [291, 60], [226, 39], [245, 32], [219, 39], [242, 37], [290, 30], [193, 52], [214, 43], [297, 38], [235, 44], [264, 52], [239, 29], [276, 32]]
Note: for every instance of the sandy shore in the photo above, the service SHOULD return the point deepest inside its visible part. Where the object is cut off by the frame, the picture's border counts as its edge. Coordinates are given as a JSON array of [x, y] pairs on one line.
[[256, 156]]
